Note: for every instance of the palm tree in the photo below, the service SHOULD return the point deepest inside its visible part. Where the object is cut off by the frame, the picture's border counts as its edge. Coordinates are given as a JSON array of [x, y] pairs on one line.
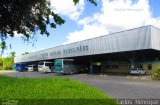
[[13, 53]]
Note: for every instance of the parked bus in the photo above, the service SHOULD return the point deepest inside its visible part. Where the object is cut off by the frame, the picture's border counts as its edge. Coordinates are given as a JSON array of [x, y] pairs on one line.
[[33, 67], [66, 66], [14, 67], [45, 66], [21, 67]]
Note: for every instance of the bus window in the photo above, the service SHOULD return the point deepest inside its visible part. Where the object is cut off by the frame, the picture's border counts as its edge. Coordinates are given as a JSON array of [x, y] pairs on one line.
[[48, 64], [40, 63], [58, 62], [66, 62]]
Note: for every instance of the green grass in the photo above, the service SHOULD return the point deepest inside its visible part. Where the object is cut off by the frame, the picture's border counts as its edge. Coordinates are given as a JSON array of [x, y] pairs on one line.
[[57, 90]]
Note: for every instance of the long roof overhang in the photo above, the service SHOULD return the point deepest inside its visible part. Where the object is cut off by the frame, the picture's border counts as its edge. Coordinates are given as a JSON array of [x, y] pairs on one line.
[[147, 37]]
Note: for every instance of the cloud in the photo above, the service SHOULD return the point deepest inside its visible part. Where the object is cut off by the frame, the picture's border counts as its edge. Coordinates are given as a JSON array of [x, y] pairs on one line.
[[89, 31], [16, 34], [67, 8], [37, 49], [114, 16], [153, 21], [119, 15]]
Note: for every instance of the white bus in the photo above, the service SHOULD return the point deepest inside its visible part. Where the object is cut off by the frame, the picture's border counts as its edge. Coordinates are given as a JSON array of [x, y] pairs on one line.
[[66, 66], [45, 66], [32, 67]]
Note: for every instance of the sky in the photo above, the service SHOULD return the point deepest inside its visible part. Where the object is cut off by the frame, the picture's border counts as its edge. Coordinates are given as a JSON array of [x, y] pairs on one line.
[[85, 21]]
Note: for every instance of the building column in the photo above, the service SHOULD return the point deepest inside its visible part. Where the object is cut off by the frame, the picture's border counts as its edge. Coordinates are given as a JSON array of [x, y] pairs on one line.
[[90, 69]]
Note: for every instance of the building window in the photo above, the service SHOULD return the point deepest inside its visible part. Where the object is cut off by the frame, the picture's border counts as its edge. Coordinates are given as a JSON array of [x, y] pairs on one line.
[[149, 66], [140, 66], [107, 66], [111, 66], [115, 66]]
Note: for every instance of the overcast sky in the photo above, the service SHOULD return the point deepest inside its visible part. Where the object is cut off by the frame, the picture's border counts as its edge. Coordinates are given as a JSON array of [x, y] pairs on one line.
[[85, 21]]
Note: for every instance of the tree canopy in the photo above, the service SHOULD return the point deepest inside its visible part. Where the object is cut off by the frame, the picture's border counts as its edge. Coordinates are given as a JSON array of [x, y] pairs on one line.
[[7, 62], [25, 53], [13, 53], [27, 16]]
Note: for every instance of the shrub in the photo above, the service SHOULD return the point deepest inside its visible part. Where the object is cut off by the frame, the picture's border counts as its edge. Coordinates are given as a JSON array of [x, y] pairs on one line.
[[5, 68], [1, 68], [156, 74]]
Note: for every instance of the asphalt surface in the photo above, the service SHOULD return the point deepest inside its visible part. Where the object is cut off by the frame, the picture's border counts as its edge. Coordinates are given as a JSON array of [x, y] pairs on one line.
[[123, 88], [118, 87]]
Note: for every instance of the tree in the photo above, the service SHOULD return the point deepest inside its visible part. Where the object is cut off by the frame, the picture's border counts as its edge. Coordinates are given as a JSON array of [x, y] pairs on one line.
[[13, 53], [26, 17], [25, 53], [1, 62], [7, 62]]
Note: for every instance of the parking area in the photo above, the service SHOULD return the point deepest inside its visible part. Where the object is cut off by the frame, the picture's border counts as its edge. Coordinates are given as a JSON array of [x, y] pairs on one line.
[[122, 87], [118, 87]]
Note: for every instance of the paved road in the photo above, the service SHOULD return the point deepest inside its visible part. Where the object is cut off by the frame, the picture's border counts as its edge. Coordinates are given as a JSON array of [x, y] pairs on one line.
[[118, 87], [122, 88]]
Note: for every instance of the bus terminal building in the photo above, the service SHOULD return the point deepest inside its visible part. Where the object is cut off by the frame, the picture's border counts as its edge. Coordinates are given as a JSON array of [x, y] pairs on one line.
[[113, 53]]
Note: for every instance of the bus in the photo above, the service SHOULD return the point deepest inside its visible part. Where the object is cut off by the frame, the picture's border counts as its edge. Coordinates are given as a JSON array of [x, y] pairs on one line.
[[45, 66], [66, 66], [21, 67], [33, 67]]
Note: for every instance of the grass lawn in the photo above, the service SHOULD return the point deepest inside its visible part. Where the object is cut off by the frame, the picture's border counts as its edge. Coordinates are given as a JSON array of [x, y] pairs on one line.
[[58, 91]]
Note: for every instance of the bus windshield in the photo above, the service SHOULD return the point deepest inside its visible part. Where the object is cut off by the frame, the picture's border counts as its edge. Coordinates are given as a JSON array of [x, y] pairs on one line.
[[40, 63]]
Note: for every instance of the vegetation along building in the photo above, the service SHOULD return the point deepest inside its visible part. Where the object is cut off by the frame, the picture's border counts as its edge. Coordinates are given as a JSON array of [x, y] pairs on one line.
[[113, 53]]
